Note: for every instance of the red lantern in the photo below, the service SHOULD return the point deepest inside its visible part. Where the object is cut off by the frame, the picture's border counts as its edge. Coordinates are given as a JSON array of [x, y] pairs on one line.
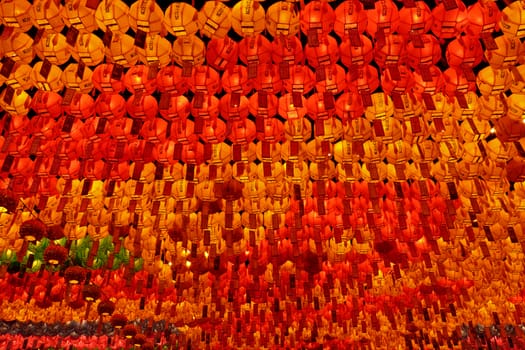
[[169, 79], [456, 82], [400, 84], [209, 108], [107, 78], [47, 103], [414, 20], [317, 18], [317, 109], [324, 53], [349, 106], [222, 53], [205, 80], [82, 106], [301, 80], [428, 54], [255, 50], [213, 131], [483, 18], [182, 131], [137, 79], [235, 80], [232, 108], [288, 50], [449, 23], [269, 80], [242, 132], [364, 79], [266, 108], [359, 55], [425, 86], [392, 53], [142, 106], [384, 17], [110, 105], [464, 51], [334, 80], [350, 18], [177, 106]]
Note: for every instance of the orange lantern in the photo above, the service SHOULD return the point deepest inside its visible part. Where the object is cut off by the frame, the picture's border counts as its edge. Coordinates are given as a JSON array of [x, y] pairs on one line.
[[188, 51], [391, 53], [349, 106], [365, 79], [268, 80], [181, 19], [301, 80], [493, 82], [288, 108], [334, 80], [232, 108], [209, 109], [205, 80], [121, 50], [178, 107], [16, 14], [248, 18], [384, 17], [350, 18], [80, 15], [287, 50], [512, 20], [52, 82], [266, 108], [112, 15], [53, 47], [156, 51], [464, 51], [142, 106], [428, 86], [400, 84], [483, 18], [110, 105], [89, 49], [507, 52], [108, 78], [222, 53], [215, 19], [71, 79], [456, 83], [360, 55], [146, 16], [18, 103], [448, 22], [137, 79], [414, 20], [235, 80], [317, 19], [324, 53], [255, 50], [169, 80], [19, 47], [428, 54], [47, 15], [282, 19], [20, 77]]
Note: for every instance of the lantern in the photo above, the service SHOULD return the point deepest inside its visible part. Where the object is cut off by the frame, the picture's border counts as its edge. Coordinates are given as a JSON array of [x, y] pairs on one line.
[[360, 55], [429, 53], [317, 19], [71, 80], [177, 107], [301, 80], [81, 106], [483, 18], [20, 77], [79, 15], [146, 16], [287, 51], [248, 18], [52, 82], [107, 78], [53, 47], [89, 49], [47, 15], [137, 79], [142, 106], [121, 50], [205, 80], [268, 80], [222, 53], [215, 19], [18, 104], [235, 80], [464, 51], [19, 47], [384, 18], [349, 106], [169, 80], [156, 51], [334, 80], [181, 19], [255, 50], [415, 20], [449, 22], [349, 18], [324, 53], [16, 14], [391, 53], [516, 107], [110, 105], [493, 82], [188, 51], [267, 109], [507, 53], [512, 20], [112, 15], [282, 19], [231, 109]]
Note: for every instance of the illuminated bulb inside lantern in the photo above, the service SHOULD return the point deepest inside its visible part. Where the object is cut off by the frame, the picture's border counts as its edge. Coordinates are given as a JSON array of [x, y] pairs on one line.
[[170, 263], [3, 210], [188, 264], [493, 130], [185, 252], [206, 254], [247, 252]]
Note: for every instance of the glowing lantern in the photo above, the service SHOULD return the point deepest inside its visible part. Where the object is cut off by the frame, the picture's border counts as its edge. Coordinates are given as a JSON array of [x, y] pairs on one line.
[[391, 53], [89, 49], [493, 82], [324, 53], [142, 106], [456, 83], [473, 129], [82, 106], [205, 80], [71, 79], [18, 104], [181, 19], [178, 107], [208, 110], [289, 110], [110, 105], [79, 15], [360, 55], [16, 14], [235, 80], [268, 80], [467, 108], [349, 18], [20, 78], [428, 86], [317, 19], [400, 84], [415, 20], [146, 16], [384, 18], [47, 103], [382, 107], [428, 54], [222, 53], [482, 18], [449, 22], [121, 50], [188, 51], [255, 50], [349, 106], [365, 81], [507, 53], [107, 78], [282, 19], [112, 15], [267, 110], [516, 107], [491, 107], [137, 79], [334, 80], [215, 19], [156, 51], [464, 51], [54, 48], [287, 50], [46, 15], [19, 47], [301, 80], [248, 18], [53, 80], [169, 80], [231, 109], [512, 20]]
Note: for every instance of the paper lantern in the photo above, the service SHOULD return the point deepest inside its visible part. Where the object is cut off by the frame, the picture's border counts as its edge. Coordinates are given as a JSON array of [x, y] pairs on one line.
[[79, 15], [47, 15], [267, 110], [507, 53], [491, 107], [464, 51], [429, 53], [88, 49], [384, 17], [16, 14], [456, 82], [289, 110], [248, 18], [493, 82], [516, 107], [53, 47], [230, 109], [215, 19], [301, 80], [20, 78], [188, 51], [181, 19], [512, 20], [222, 53], [19, 104], [107, 78], [255, 50], [317, 17], [360, 55], [382, 107], [144, 106], [449, 22], [169, 80], [178, 107], [282, 19], [71, 79], [415, 20], [366, 80], [110, 105], [156, 51], [208, 109], [392, 53], [350, 17], [121, 50], [334, 80], [52, 82], [205, 80], [287, 50], [268, 80], [400, 84], [235, 80], [428, 86], [326, 53], [349, 106], [19, 47], [82, 106], [146, 16], [112, 15], [137, 79], [483, 18]]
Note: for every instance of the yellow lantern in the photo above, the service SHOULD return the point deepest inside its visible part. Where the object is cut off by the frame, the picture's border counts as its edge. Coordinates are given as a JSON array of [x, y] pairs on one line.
[[470, 110], [181, 19], [516, 106], [122, 50], [89, 49], [156, 51], [78, 14], [73, 81], [189, 50], [112, 15], [215, 19], [19, 104], [518, 79], [507, 53], [52, 82], [20, 78], [472, 152], [16, 14], [146, 16], [512, 20], [491, 107], [282, 19], [382, 107], [474, 129], [248, 18], [19, 47], [492, 81], [47, 15], [54, 47]]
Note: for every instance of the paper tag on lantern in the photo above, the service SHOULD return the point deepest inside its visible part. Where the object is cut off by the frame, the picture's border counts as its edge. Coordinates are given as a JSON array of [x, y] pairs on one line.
[[38, 36], [398, 100], [153, 70], [6, 31], [284, 70], [450, 5], [313, 37], [101, 126], [469, 74], [366, 97], [512, 234], [329, 101], [237, 152], [252, 69], [354, 72], [72, 35], [235, 100], [297, 99], [488, 233], [117, 71], [140, 39], [92, 4], [488, 41], [484, 249], [395, 74], [320, 74], [429, 102], [68, 124], [462, 101], [426, 74], [380, 38], [107, 38], [68, 97], [7, 66], [416, 40], [355, 38], [9, 94], [319, 127], [378, 128]]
